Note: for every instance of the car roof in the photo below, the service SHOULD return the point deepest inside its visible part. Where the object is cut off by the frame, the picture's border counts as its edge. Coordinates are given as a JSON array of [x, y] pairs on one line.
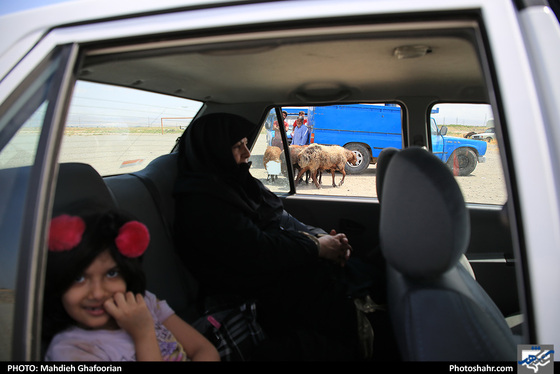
[[427, 57], [254, 68], [19, 25]]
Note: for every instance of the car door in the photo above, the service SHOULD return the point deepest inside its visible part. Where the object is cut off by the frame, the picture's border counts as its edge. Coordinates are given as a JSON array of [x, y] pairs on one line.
[[353, 208], [523, 93]]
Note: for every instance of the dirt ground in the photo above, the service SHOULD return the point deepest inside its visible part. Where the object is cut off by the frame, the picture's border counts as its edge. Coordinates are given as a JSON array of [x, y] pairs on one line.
[[106, 153], [485, 185]]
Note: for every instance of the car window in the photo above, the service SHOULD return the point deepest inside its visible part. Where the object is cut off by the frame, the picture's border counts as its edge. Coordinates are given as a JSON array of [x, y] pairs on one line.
[[120, 130], [267, 157], [469, 146], [361, 129], [462, 136]]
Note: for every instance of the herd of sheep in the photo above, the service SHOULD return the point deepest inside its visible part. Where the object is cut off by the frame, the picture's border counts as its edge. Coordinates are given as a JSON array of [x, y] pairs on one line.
[[315, 159]]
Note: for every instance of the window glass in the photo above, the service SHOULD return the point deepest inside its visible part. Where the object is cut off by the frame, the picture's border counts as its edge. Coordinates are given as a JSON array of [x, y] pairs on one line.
[[20, 127], [20, 151], [349, 132], [15, 159], [463, 136], [267, 157], [119, 130]]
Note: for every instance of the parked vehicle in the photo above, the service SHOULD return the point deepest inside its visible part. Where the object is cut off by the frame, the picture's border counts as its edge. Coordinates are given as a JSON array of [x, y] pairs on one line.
[[487, 135], [368, 129]]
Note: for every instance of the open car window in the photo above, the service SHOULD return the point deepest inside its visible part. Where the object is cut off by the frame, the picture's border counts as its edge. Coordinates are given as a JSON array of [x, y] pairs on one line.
[[458, 133], [120, 130], [471, 124]]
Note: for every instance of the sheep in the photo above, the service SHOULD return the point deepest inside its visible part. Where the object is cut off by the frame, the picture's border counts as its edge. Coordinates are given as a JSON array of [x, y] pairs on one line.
[[295, 151], [272, 153], [316, 158]]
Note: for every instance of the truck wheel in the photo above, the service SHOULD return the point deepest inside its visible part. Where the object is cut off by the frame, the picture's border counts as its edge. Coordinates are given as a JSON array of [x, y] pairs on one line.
[[362, 155], [462, 162]]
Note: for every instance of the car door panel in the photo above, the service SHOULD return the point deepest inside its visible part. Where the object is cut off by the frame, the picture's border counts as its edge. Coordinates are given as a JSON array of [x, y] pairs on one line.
[[488, 251], [359, 220]]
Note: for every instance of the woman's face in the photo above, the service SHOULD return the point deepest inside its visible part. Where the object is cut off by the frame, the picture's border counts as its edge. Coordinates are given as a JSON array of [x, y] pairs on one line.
[[240, 151], [84, 300]]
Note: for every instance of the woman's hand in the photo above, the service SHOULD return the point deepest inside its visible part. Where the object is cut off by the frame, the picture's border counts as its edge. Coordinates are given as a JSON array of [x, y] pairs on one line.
[[132, 315], [335, 247]]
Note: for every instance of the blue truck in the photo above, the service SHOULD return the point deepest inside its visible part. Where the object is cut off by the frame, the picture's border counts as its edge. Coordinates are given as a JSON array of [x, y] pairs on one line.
[[366, 129]]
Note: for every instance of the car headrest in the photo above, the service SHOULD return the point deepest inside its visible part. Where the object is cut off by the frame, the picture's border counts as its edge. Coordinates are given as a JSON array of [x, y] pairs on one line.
[[425, 226], [161, 174], [381, 168], [77, 184]]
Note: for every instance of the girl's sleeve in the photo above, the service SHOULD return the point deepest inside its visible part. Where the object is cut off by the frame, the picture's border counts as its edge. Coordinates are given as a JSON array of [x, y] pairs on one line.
[[73, 350], [159, 308]]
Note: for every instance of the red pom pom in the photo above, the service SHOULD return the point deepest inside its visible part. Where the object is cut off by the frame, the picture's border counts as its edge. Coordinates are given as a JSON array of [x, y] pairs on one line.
[[133, 239], [65, 232]]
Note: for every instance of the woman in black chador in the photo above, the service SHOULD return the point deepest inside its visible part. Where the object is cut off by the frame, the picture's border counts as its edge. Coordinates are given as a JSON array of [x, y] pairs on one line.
[[235, 237]]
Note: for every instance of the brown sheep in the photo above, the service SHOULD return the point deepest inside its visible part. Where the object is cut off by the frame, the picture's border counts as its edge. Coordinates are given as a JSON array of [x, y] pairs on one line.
[[295, 151], [319, 157]]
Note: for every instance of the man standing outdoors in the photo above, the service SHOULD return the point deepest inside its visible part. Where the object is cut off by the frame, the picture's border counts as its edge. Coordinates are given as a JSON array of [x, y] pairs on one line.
[[301, 133]]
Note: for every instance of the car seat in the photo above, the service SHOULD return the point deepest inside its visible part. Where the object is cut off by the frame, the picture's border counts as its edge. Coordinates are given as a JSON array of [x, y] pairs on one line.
[[381, 168], [439, 312], [148, 195]]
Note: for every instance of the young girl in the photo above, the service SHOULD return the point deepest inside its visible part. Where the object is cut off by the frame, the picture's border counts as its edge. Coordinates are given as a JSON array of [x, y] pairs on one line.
[[96, 306]]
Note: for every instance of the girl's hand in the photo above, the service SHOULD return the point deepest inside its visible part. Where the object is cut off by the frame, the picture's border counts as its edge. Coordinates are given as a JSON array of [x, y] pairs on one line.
[[132, 315]]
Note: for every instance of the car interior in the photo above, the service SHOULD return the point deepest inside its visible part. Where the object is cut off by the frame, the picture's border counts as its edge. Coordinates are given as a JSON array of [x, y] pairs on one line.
[[409, 61]]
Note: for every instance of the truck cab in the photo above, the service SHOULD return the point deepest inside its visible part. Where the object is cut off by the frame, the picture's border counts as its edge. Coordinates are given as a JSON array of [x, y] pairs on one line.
[[460, 154]]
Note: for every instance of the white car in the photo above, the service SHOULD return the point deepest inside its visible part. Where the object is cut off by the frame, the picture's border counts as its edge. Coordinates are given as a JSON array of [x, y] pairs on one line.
[[487, 135], [111, 85]]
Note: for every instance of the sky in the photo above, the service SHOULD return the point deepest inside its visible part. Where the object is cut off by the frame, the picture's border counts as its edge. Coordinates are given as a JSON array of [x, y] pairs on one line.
[[463, 114], [103, 105]]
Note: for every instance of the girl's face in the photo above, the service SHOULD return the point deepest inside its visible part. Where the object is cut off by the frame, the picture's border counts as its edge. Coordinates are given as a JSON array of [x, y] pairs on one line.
[[83, 301], [240, 151]]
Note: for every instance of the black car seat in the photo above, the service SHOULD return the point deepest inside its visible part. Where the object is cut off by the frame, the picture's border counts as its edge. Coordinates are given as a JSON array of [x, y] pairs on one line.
[[438, 310], [148, 195], [78, 183]]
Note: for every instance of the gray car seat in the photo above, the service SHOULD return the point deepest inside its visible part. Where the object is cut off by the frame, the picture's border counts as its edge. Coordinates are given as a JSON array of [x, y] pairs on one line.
[[438, 310], [381, 168], [383, 160]]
